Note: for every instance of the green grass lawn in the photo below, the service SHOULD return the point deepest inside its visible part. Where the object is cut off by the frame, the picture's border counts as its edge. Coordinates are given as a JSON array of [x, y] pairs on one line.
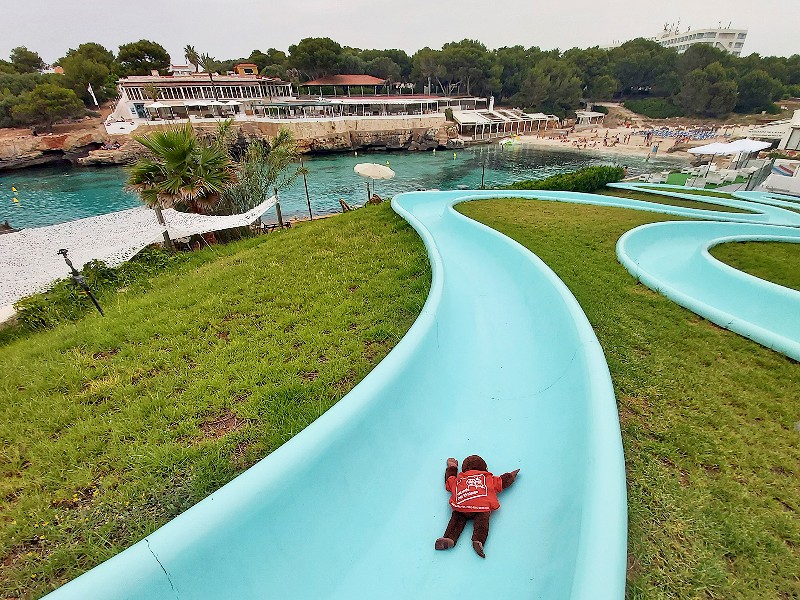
[[110, 427], [774, 261], [672, 201], [698, 192], [708, 417]]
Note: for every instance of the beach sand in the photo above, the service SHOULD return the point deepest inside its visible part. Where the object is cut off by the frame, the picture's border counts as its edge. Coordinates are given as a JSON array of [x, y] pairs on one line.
[[594, 138]]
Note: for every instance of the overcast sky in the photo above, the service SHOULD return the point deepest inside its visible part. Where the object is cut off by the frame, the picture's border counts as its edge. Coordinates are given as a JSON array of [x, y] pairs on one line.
[[233, 28]]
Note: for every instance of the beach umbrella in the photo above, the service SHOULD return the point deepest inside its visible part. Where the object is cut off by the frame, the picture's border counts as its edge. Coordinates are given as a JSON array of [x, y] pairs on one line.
[[373, 171], [715, 149], [745, 147], [748, 146]]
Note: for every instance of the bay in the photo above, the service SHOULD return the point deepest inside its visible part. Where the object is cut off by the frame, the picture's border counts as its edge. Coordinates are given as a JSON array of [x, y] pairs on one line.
[[51, 195]]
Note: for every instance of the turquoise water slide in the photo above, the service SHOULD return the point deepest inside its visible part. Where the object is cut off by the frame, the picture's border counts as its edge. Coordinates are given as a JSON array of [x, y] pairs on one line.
[[501, 362]]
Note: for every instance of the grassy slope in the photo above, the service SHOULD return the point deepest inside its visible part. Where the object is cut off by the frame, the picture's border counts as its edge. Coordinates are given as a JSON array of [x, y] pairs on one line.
[[110, 427], [698, 192], [708, 417], [672, 201], [774, 261], [270, 332]]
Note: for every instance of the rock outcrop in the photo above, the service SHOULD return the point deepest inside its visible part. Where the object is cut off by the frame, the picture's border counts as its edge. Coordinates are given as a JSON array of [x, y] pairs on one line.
[[122, 155], [27, 151], [90, 147], [397, 139]]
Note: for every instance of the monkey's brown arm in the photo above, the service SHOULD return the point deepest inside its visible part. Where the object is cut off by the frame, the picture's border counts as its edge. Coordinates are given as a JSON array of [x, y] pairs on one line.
[[508, 478], [452, 469]]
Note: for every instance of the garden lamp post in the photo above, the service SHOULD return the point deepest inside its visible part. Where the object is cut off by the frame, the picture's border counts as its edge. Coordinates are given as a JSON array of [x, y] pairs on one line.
[[80, 280]]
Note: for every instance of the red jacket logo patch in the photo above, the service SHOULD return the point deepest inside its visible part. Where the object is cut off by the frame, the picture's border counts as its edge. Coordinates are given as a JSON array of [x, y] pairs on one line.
[[474, 491]]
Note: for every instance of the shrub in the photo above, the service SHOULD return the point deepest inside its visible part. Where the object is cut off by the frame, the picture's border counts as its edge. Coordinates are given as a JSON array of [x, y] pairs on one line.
[[655, 108], [448, 114], [589, 179], [65, 302], [600, 109]]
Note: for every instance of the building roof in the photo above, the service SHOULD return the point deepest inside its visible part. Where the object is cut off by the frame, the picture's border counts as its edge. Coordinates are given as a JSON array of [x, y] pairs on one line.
[[346, 80], [197, 79]]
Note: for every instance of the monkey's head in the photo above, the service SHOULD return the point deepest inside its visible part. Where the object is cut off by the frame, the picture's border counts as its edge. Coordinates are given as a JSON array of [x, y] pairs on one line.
[[473, 463]]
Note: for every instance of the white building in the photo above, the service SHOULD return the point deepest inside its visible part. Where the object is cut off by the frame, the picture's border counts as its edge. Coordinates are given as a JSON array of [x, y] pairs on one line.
[[200, 97], [727, 39], [787, 131], [196, 95], [791, 141]]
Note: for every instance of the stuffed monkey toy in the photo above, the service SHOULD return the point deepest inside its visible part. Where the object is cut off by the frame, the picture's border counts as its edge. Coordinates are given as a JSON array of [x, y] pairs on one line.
[[473, 496]]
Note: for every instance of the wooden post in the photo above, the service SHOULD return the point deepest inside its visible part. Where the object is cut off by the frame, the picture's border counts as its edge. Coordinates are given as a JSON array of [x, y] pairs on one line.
[[368, 196], [483, 174], [278, 209], [160, 218], [305, 184]]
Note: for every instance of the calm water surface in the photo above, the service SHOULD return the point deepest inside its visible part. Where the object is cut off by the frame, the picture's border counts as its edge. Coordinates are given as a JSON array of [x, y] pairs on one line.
[[57, 194]]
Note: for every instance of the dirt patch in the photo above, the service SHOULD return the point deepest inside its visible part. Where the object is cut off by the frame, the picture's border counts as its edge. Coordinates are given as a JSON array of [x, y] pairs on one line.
[[310, 375], [105, 354], [222, 425]]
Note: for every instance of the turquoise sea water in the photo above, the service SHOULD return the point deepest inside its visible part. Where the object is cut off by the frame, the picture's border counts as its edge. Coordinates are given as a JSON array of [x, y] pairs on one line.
[[57, 194]]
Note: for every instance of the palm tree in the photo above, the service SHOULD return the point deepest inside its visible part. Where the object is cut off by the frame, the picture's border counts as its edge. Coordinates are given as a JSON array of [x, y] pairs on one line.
[[152, 91], [192, 57], [209, 64], [264, 169], [180, 170]]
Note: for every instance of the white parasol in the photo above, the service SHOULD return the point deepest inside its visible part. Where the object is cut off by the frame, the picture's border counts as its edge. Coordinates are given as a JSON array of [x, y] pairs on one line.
[[748, 146], [715, 149], [373, 171]]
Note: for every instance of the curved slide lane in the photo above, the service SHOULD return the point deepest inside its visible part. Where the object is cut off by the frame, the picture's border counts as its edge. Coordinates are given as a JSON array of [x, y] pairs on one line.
[[501, 362], [674, 260]]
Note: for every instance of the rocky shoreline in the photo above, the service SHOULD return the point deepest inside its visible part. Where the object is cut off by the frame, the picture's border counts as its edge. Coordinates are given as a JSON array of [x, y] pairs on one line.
[[93, 147]]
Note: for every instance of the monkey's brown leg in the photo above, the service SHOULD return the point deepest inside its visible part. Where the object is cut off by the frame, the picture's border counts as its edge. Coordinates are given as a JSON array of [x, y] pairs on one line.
[[454, 529], [480, 531]]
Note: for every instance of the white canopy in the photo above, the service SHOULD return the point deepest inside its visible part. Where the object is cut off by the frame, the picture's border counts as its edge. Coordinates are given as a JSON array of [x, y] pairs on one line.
[[29, 261], [216, 103], [373, 171], [748, 145], [232, 103], [717, 148], [158, 105]]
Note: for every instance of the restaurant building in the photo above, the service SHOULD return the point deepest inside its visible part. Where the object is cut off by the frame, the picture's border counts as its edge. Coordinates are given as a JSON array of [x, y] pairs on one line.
[[246, 96]]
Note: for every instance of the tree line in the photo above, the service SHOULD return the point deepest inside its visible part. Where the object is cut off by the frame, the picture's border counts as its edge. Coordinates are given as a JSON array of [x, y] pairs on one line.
[[658, 81]]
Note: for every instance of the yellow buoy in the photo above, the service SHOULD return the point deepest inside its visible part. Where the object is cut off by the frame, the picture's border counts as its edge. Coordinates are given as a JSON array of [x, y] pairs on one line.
[[454, 155], [16, 200], [13, 189], [434, 151], [356, 153]]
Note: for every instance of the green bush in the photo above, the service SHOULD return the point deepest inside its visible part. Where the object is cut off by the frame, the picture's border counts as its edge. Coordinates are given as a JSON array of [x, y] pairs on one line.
[[655, 108], [600, 109], [589, 179], [65, 302]]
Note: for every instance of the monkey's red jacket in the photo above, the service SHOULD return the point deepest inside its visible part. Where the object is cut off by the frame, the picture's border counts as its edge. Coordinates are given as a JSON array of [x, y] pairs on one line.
[[474, 491]]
